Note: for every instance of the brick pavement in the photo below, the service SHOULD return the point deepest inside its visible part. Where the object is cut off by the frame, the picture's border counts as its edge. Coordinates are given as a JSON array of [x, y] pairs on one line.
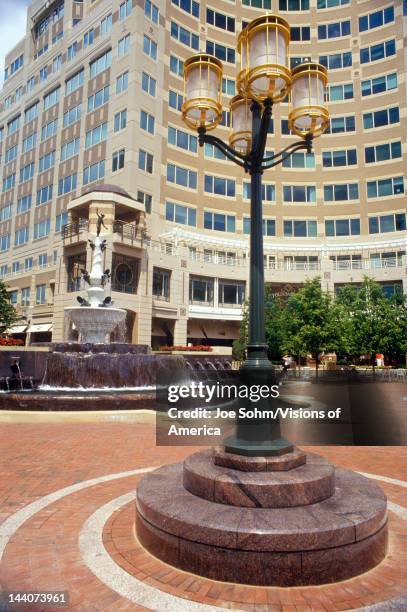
[[39, 459]]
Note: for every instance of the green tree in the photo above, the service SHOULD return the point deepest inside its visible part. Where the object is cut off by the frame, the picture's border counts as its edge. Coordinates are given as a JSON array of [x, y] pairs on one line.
[[310, 322], [8, 314]]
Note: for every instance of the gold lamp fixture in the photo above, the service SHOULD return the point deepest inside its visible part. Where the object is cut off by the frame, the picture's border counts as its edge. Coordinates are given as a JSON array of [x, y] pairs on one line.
[[309, 115], [202, 105], [240, 137], [265, 50]]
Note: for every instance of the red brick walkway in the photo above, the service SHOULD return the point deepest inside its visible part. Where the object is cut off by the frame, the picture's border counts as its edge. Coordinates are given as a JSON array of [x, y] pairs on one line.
[[43, 554]]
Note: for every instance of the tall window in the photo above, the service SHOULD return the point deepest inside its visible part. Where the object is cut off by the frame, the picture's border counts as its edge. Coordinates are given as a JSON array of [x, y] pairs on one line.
[[118, 160], [149, 47], [120, 120], [145, 161], [147, 122], [151, 11]]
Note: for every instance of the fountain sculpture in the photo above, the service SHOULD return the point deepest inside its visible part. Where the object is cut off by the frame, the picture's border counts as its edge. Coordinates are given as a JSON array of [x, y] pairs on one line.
[[95, 318]]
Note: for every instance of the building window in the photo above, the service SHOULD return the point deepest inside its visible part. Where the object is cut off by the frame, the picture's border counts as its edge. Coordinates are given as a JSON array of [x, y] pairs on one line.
[[342, 227], [43, 74], [341, 192], [334, 30], [96, 135], [299, 33], [94, 172], [268, 191], [219, 20], [161, 284], [5, 242], [122, 82], [44, 195], [180, 214], [72, 51], [323, 4], [300, 160], [40, 294], [219, 185], [57, 63], [120, 120], [334, 93], [176, 66], [231, 293], [75, 263], [125, 274], [25, 296], [376, 19], [125, 9], [10, 154], [102, 63], [6, 212], [175, 100], [378, 52], [15, 267], [42, 229], [13, 125], [74, 82], [146, 199], [28, 264], [21, 236], [336, 61], [9, 182], [300, 228], [98, 99], [149, 47], [385, 187], [214, 153], [148, 84], [379, 84], [299, 193], [42, 260], [189, 6], [145, 161], [381, 118], [60, 221], [52, 98], [184, 36], [31, 112], [13, 297], [347, 157], [387, 223], [67, 184], [225, 54], [118, 160], [269, 226], [339, 125], [27, 172], [50, 129], [181, 176], [47, 161], [294, 5], [219, 222], [147, 122], [29, 142], [383, 152], [183, 140], [151, 11], [201, 290], [106, 25]]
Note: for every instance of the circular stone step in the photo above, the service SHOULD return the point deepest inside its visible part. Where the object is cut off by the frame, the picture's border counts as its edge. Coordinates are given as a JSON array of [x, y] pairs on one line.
[[306, 484], [279, 463], [335, 539]]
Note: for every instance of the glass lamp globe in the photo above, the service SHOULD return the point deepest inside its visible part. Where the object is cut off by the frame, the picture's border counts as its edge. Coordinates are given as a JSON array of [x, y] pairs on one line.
[[202, 91], [240, 137], [309, 115], [268, 66]]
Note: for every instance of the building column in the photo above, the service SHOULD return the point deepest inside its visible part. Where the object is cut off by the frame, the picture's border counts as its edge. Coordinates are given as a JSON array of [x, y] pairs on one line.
[[180, 331]]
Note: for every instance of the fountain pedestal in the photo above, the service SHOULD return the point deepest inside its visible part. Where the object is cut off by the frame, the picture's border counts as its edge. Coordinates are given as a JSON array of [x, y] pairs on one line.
[[283, 521]]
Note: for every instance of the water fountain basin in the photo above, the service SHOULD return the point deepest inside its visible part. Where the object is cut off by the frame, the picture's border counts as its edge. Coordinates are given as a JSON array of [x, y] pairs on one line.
[[95, 323]]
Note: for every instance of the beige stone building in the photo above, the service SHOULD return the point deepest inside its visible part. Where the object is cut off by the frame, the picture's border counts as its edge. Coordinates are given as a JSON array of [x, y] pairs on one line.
[[92, 98]]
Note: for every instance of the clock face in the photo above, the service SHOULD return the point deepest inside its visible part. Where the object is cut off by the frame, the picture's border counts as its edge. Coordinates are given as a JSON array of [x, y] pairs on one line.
[[124, 274]]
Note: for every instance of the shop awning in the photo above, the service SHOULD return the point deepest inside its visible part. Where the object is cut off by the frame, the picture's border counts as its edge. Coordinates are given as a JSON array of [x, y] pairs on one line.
[[17, 329], [39, 327]]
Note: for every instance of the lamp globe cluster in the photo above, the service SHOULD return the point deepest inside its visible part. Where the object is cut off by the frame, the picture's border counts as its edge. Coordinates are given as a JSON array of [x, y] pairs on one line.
[[264, 74]]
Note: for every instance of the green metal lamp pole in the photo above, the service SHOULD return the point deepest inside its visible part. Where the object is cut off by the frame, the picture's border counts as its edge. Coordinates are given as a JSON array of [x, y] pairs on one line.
[[257, 437]]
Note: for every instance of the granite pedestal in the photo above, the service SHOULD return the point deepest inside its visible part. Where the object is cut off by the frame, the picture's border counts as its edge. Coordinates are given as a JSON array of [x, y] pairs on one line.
[[283, 521]]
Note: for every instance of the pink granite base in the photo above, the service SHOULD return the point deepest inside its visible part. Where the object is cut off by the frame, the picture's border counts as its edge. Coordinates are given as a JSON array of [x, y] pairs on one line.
[[220, 536]]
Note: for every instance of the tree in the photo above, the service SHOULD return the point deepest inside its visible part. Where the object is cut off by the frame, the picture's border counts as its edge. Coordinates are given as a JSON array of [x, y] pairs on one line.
[[309, 322], [8, 314], [274, 307]]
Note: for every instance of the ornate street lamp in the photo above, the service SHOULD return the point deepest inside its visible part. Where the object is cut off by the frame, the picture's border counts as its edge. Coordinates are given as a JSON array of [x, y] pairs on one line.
[[264, 79]]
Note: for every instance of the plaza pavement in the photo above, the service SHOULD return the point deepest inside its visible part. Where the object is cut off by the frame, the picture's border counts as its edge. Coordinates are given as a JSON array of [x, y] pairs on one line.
[[67, 487]]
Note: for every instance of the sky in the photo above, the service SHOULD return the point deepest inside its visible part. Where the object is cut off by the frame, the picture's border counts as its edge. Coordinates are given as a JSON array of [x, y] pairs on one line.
[[12, 27]]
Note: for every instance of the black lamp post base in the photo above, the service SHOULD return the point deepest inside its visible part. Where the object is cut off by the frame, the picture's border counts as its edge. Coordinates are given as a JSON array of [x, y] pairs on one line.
[[258, 448]]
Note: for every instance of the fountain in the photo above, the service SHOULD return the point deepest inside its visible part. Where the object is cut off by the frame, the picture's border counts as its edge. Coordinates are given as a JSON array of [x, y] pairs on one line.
[[95, 319]]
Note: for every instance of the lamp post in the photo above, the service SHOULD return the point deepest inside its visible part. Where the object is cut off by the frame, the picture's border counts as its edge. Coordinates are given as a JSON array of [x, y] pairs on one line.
[[264, 79]]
